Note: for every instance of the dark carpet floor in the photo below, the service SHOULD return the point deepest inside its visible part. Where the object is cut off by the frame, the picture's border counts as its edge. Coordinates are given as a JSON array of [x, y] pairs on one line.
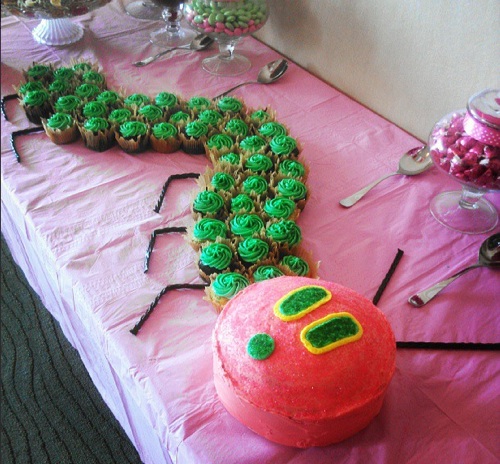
[[50, 410]]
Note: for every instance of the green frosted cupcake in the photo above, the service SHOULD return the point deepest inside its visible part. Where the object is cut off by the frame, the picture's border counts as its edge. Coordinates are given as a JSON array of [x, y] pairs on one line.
[[251, 250], [259, 163], [283, 146], [253, 144], [61, 128], [97, 134], [230, 105], [214, 258], [110, 98], [39, 72], [246, 225], [36, 105], [231, 158], [94, 109], [198, 104], [292, 168], [193, 137], [68, 104], [165, 138], [266, 272], [255, 185], [220, 142], [292, 188], [242, 204], [297, 265], [208, 230], [136, 100], [151, 114], [119, 116], [208, 202], [225, 286], [236, 128], [280, 208], [285, 233], [167, 101], [272, 129], [133, 136], [210, 117], [87, 92], [222, 181]]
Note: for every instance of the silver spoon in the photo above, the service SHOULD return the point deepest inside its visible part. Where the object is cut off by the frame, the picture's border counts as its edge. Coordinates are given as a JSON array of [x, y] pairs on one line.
[[489, 256], [200, 42], [269, 73], [413, 162]]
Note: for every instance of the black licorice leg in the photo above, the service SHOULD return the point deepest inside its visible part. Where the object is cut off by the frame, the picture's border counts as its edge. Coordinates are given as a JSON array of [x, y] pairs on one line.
[[450, 346], [188, 175], [153, 305], [388, 276], [5, 98], [152, 240], [22, 132]]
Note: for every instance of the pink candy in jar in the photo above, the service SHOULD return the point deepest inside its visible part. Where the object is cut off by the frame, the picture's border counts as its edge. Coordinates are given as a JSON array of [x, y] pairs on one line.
[[466, 144]]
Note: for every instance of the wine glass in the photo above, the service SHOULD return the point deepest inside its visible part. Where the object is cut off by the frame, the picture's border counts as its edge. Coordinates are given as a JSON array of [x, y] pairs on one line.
[[227, 22], [173, 34], [466, 146], [142, 9]]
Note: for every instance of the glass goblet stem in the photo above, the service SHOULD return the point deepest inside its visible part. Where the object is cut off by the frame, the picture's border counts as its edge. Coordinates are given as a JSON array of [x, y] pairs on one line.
[[470, 197]]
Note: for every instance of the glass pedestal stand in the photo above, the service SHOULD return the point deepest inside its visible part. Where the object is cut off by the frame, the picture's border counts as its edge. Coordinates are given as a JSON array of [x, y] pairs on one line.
[[226, 63]]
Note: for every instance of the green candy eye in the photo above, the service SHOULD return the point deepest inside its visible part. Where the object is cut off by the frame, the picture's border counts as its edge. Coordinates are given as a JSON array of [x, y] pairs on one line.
[[260, 346]]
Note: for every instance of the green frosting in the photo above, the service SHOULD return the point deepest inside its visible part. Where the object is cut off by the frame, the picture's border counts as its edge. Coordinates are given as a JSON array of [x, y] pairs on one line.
[[208, 202], [29, 87], [133, 129], [285, 232], [120, 115], [246, 225], [39, 71], [292, 188], [230, 104], [166, 100], [87, 91], [164, 130], [196, 129], [253, 143], [137, 99], [151, 112], [252, 249], [242, 202], [216, 255], [259, 163], [64, 73], [260, 115], [266, 272], [255, 184], [301, 300], [222, 181], [228, 284], [180, 116], [283, 145], [260, 346], [292, 168], [271, 129], [96, 124], [59, 86], [279, 207], [231, 158], [210, 117], [36, 97], [67, 103], [82, 67], [331, 331], [60, 121], [93, 77], [295, 264], [199, 103], [94, 109], [220, 141], [208, 229], [236, 128], [108, 97]]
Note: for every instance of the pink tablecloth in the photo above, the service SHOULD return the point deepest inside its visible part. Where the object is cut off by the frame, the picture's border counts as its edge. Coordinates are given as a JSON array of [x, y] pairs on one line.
[[79, 222]]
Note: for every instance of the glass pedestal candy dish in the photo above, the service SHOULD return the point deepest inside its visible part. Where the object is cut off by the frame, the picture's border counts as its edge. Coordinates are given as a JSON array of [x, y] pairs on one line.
[[144, 9], [227, 22], [55, 28], [173, 34], [466, 146]]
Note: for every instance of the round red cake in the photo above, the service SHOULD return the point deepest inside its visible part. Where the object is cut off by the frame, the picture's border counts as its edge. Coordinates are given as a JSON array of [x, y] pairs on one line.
[[302, 362]]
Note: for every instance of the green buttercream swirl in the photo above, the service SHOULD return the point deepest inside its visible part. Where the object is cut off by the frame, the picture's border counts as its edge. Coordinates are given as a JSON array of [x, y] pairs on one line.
[[60, 121], [260, 115], [230, 104], [222, 181], [164, 130], [208, 202], [208, 229], [295, 264], [94, 109], [253, 143], [266, 272], [166, 100], [252, 249], [39, 71], [231, 158], [272, 129], [82, 67], [133, 129], [210, 117], [36, 97], [67, 103], [241, 202], [285, 232], [220, 141], [29, 87], [151, 112], [87, 91], [292, 188], [283, 145], [64, 73], [216, 255], [59, 86], [93, 77], [137, 99], [246, 224], [228, 284], [236, 127], [108, 97], [279, 207], [259, 163], [180, 116], [255, 184], [292, 168], [199, 103], [196, 129], [96, 124], [120, 115]]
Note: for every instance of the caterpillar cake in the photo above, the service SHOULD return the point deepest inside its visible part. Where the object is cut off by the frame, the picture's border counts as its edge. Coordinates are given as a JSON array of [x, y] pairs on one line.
[[302, 362]]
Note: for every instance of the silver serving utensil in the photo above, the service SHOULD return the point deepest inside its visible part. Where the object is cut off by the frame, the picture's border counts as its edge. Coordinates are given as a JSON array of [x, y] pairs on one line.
[[200, 42], [489, 256], [413, 162], [268, 73]]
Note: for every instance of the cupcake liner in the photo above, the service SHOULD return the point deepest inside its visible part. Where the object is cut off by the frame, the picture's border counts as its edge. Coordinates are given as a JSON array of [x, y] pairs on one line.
[[35, 114], [133, 146], [169, 145], [97, 142], [61, 137]]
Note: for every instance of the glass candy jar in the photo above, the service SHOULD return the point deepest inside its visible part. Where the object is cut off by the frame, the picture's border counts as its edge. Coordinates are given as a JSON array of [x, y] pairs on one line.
[[466, 146], [227, 22]]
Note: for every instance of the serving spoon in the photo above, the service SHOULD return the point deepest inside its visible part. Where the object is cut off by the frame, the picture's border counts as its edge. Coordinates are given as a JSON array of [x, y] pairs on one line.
[[489, 256], [200, 42], [413, 162], [268, 73]]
